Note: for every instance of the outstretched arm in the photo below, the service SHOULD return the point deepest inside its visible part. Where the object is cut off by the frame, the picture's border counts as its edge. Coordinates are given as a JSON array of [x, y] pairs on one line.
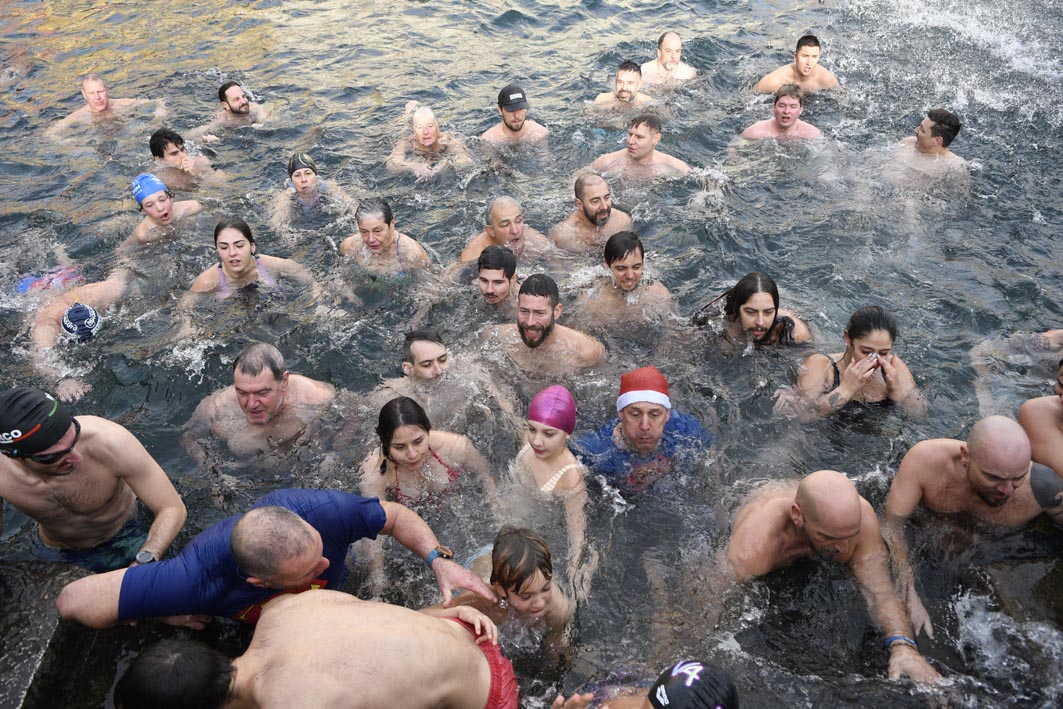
[[905, 493]]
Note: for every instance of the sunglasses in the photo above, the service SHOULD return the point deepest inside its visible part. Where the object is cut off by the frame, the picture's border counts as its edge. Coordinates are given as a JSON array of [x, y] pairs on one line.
[[53, 458]]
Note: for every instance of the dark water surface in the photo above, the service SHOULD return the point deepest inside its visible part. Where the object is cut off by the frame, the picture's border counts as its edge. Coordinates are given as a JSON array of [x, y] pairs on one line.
[[835, 234]]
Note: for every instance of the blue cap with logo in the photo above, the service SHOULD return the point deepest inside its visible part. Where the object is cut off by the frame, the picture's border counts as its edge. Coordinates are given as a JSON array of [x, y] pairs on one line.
[[145, 185]]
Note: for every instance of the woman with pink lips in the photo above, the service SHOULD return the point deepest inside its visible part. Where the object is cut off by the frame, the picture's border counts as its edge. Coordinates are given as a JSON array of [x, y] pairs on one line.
[[427, 150], [156, 202], [379, 247]]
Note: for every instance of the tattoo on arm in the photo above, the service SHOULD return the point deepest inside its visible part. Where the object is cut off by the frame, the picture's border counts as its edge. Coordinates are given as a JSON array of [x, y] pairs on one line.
[[1047, 489]]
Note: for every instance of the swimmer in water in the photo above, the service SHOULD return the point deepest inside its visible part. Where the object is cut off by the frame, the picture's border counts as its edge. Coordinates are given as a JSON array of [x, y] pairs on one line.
[[379, 247], [687, 684], [624, 296], [626, 94], [594, 220], [751, 314], [927, 154], [155, 200], [236, 110], [640, 159], [515, 126], [805, 71], [428, 151], [668, 68], [785, 124], [867, 371], [496, 278], [504, 226], [305, 189], [100, 106], [176, 167], [1042, 418]]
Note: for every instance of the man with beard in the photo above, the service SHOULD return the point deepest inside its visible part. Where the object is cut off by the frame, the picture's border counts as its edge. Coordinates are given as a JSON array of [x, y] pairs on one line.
[[825, 517], [641, 159], [536, 343], [626, 94], [986, 477], [236, 110], [623, 296], [515, 126], [668, 67], [805, 70], [505, 227], [786, 123], [594, 220]]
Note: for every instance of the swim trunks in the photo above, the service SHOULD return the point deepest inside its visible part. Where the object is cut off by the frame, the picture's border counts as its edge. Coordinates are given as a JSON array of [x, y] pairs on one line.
[[504, 692], [115, 553]]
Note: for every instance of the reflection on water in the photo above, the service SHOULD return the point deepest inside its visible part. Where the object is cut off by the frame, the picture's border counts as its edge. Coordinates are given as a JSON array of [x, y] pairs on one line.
[[834, 233]]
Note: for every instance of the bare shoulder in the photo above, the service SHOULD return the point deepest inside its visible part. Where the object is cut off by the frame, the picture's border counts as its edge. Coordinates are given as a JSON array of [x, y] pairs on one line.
[[604, 98], [675, 163], [351, 243], [825, 78], [772, 80], [207, 281], [1040, 410], [314, 391], [106, 439]]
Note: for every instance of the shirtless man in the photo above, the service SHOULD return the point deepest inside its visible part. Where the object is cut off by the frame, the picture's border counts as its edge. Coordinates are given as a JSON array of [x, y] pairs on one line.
[[668, 67], [505, 227], [1042, 418], [80, 479], [622, 296], [641, 157], [155, 201], [328, 649], [805, 71], [536, 343], [824, 516], [266, 406], [986, 477], [927, 153], [236, 111], [626, 95], [427, 151], [174, 163], [594, 220], [785, 124], [379, 247], [496, 277], [515, 126], [99, 104]]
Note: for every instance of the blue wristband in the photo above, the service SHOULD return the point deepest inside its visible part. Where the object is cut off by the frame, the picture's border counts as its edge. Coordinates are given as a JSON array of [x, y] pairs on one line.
[[432, 556], [894, 639]]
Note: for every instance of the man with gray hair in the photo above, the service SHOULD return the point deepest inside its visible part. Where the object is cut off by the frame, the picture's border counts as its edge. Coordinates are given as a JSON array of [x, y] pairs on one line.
[[427, 151], [504, 226], [99, 105], [265, 407]]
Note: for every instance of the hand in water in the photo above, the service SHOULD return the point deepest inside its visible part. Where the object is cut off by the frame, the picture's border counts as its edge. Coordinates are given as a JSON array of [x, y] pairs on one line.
[[905, 661], [920, 618], [576, 701], [788, 403], [72, 389]]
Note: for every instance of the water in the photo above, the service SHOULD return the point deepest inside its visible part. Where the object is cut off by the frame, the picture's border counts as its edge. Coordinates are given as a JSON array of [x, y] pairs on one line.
[[834, 234]]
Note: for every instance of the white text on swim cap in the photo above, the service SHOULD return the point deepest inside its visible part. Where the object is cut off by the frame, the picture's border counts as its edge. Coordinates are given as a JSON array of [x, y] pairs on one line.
[[690, 669]]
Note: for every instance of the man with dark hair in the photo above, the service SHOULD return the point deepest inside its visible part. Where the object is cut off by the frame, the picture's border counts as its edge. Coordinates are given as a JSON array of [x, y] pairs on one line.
[[327, 649], [515, 126], [80, 479], [626, 94], [265, 407], [927, 152], [624, 296], [668, 67], [504, 226], [536, 342], [785, 124], [805, 70], [594, 220], [641, 158], [300, 547], [100, 106], [496, 276], [236, 110], [173, 163]]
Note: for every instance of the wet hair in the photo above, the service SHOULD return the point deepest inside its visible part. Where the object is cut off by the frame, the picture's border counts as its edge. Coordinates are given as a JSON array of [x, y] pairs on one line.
[[92, 77], [424, 111], [791, 90], [266, 537], [489, 211], [809, 40], [175, 674], [660, 40], [518, 553], [374, 207], [628, 65], [747, 286], [225, 87], [581, 183], [542, 285], [161, 138], [497, 258], [400, 411], [868, 319], [647, 119], [946, 125], [258, 356], [418, 336], [620, 245], [234, 223]]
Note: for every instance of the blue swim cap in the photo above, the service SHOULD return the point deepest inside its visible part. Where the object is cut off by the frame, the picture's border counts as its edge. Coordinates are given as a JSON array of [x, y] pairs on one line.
[[145, 185], [81, 322]]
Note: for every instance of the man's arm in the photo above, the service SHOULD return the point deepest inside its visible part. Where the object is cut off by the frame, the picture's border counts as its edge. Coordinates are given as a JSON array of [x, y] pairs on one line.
[[397, 160], [412, 532], [1042, 420], [904, 496], [92, 600], [1047, 488], [198, 427]]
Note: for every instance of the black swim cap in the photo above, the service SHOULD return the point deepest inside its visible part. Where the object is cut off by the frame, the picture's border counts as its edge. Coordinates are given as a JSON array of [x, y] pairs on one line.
[[299, 161], [30, 421], [692, 684]]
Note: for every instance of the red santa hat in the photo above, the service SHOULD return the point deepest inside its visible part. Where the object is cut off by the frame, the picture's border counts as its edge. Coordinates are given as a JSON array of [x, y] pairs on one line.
[[644, 384]]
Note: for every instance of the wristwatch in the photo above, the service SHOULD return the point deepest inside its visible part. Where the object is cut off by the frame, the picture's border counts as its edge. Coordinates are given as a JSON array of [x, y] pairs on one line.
[[144, 556], [439, 551]]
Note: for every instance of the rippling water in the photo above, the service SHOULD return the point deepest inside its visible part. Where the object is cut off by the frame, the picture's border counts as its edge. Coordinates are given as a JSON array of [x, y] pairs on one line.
[[833, 232]]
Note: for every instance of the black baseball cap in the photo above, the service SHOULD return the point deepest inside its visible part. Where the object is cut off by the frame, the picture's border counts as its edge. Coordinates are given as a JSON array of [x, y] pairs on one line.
[[512, 98]]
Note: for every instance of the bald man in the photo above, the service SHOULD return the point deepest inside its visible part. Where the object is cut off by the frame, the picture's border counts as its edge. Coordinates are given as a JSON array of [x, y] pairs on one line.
[[986, 476], [824, 516], [668, 67], [504, 226], [427, 151], [594, 221]]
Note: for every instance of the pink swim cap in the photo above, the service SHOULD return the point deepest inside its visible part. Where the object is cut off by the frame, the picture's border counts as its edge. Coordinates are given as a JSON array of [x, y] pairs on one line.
[[554, 407]]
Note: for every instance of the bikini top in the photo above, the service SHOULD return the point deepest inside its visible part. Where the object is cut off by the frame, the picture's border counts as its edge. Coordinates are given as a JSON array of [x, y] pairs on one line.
[[452, 477], [550, 484], [264, 277]]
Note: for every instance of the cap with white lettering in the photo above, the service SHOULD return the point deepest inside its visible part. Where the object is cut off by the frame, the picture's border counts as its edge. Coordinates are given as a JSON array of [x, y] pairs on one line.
[[512, 98]]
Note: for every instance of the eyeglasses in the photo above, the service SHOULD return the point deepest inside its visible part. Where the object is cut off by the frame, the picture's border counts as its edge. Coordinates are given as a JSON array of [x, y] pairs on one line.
[[55, 457]]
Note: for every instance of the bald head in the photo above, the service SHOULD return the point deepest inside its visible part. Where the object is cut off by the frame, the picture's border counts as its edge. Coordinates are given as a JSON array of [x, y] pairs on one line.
[[266, 537], [498, 205], [585, 181], [998, 443], [829, 499]]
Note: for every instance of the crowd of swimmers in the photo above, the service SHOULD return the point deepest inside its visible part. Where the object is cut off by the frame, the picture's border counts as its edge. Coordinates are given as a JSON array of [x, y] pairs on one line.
[[101, 501]]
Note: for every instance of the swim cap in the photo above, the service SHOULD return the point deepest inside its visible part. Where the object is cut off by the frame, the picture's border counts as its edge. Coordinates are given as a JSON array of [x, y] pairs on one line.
[[554, 406], [645, 384], [299, 161], [80, 322], [145, 185], [30, 421], [691, 684]]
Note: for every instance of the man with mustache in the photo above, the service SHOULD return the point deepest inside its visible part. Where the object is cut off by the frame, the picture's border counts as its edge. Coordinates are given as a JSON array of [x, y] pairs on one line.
[[626, 94], [505, 226], [236, 110], [668, 67], [515, 126], [641, 159], [594, 220]]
